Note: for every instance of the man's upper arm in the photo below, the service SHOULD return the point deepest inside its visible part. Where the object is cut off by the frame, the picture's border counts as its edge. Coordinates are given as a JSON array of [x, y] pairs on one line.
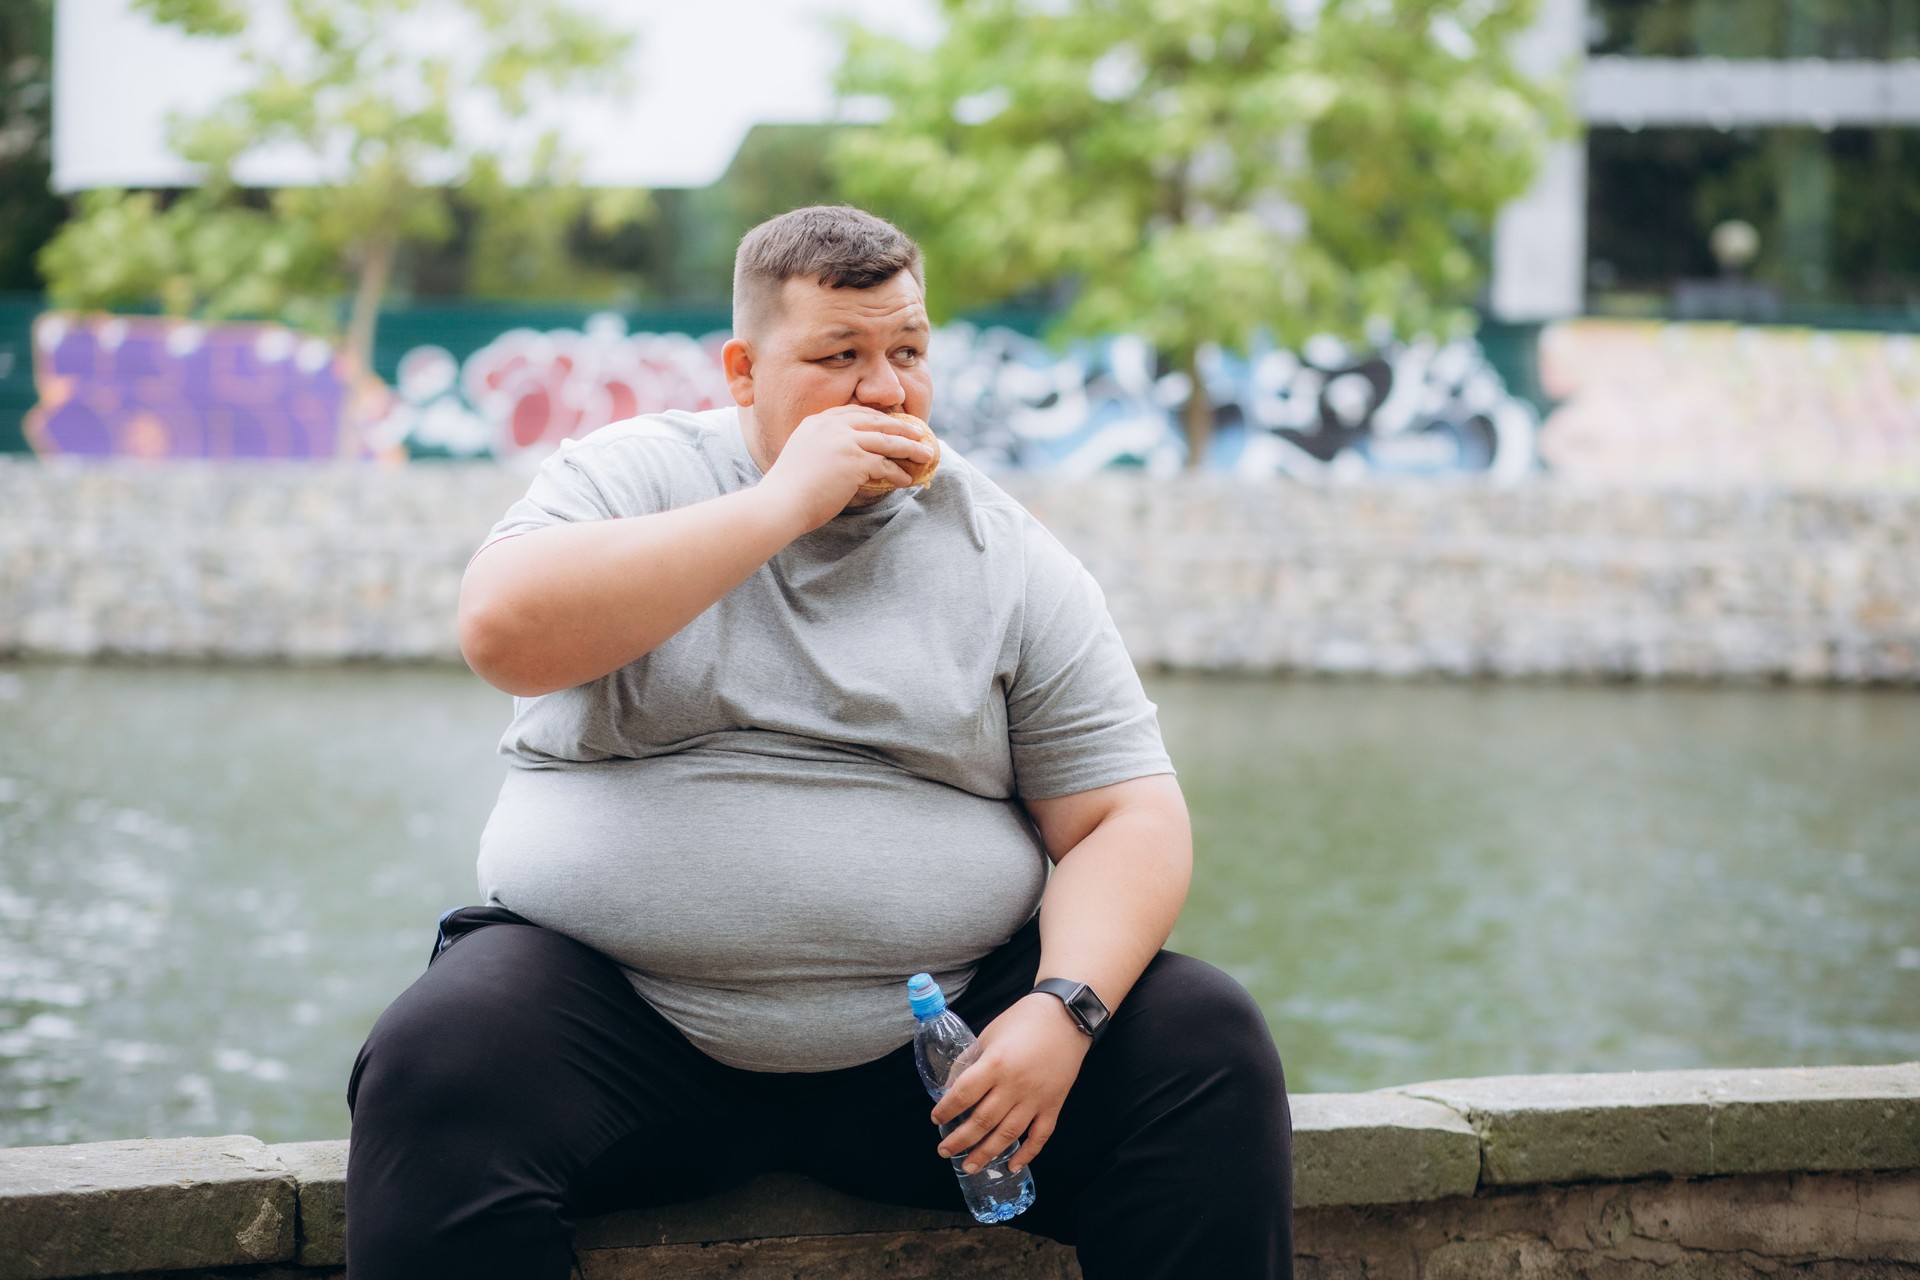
[[1077, 717], [1064, 821]]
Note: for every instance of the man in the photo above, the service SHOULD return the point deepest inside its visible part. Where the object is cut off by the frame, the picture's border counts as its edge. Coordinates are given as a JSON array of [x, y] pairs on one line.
[[777, 746]]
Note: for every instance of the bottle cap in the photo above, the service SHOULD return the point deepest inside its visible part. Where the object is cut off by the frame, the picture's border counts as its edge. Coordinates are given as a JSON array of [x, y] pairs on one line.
[[924, 994]]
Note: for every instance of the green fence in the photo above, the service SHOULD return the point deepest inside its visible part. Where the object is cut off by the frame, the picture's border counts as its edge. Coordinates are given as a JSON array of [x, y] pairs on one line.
[[17, 395]]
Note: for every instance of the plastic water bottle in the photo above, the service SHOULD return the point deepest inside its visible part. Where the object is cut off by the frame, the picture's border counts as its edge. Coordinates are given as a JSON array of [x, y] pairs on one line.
[[943, 1047]]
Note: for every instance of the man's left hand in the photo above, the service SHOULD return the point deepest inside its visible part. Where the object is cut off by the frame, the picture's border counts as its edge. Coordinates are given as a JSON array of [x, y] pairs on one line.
[[1029, 1058]]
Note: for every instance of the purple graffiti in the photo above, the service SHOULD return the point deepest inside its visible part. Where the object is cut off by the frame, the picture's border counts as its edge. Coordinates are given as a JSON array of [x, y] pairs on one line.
[[151, 387]]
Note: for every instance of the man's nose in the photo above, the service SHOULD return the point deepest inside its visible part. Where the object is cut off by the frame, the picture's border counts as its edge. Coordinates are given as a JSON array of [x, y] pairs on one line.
[[879, 386]]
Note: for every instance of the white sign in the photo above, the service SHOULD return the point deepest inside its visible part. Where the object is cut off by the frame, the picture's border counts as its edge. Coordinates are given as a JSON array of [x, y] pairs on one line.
[[702, 73]]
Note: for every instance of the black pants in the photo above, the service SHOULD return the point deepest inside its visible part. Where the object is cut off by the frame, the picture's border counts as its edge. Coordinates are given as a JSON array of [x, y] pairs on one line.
[[521, 1083]]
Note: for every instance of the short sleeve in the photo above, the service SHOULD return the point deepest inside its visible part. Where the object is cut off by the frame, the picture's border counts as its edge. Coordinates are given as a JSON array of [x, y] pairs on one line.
[[577, 483], [1077, 717]]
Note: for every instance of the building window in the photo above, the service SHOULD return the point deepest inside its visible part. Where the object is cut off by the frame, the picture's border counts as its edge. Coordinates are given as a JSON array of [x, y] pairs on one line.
[[1869, 29], [1837, 217]]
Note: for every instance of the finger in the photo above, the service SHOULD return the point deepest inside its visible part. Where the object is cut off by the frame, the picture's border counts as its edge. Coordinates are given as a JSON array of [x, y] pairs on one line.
[[989, 1129], [863, 417], [900, 426], [886, 471], [972, 1086], [896, 446], [998, 1139], [979, 1122], [1037, 1134]]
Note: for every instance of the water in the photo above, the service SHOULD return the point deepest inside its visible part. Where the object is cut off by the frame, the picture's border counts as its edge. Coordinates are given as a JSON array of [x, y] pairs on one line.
[[213, 880], [995, 1193]]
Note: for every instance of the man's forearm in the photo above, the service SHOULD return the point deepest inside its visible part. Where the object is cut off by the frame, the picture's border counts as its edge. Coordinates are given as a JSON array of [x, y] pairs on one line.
[[1122, 857], [1114, 897], [569, 603]]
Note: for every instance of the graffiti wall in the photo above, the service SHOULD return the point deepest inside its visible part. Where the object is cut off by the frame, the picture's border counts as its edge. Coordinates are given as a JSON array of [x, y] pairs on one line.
[[1720, 404], [1634, 402], [1411, 409], [143, 386], [150, 387], [1010, 401], [527, 390]]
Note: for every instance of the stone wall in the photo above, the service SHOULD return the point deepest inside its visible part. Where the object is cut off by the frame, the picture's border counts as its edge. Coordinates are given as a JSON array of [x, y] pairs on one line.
[[1685, 1175], [310, 562]]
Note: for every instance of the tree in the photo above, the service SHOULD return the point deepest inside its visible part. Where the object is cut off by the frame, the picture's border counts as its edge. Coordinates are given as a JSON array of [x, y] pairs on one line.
[[1199, 171], [28, 211], [398, 135]]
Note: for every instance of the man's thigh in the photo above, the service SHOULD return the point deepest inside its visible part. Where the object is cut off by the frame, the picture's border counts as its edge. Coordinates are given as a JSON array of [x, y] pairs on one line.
[[523, 1049]]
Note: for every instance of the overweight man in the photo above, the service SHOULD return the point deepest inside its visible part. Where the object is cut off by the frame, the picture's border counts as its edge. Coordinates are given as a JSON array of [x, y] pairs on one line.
[[777, 745]]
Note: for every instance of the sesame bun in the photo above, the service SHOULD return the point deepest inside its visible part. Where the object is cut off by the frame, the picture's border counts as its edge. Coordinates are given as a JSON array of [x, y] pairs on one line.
[[920, 472]]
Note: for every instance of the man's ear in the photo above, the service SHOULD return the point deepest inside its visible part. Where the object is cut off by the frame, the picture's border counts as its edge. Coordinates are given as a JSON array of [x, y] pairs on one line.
[[736, 359]]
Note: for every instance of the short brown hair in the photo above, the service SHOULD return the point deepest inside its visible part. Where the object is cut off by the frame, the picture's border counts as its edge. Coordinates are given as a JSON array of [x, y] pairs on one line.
[[839, 246]]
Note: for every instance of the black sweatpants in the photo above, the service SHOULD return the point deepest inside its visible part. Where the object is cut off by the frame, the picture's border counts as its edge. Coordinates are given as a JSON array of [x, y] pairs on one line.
[[522, 1083]]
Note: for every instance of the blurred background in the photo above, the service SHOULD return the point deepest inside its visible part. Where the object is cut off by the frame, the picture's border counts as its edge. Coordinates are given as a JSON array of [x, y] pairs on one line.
[[1495, 423]]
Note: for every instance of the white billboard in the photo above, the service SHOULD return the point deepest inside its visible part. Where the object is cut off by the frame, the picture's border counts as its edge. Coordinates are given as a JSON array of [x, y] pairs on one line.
[[702, 73]]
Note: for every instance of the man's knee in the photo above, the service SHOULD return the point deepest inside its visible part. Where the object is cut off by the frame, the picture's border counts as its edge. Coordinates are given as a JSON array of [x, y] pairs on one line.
[[419, 1062], [462, 1037], [1196, 1015]]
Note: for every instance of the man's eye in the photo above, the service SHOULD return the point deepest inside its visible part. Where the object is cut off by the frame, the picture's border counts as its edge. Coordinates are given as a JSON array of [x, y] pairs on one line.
[[907, 355], [838, 357]]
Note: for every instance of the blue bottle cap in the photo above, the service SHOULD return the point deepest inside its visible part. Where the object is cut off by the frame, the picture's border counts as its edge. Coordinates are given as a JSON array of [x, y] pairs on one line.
[[924, 994]]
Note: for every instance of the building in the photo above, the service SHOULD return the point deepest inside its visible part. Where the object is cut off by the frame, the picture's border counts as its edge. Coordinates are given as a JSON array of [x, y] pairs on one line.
[[1787, 126]]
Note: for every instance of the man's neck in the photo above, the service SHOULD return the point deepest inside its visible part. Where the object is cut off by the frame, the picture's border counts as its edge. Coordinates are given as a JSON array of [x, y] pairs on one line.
[[750, 436]]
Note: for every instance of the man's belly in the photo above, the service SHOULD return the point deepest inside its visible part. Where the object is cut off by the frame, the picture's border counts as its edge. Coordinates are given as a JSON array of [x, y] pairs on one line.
[[770, 908]]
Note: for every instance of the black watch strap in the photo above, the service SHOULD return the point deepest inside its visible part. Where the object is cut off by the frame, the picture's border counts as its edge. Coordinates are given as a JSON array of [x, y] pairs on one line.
[[1087, 1008]]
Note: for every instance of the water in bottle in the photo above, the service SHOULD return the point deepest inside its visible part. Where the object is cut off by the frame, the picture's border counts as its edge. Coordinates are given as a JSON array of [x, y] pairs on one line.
[[943, 1047]]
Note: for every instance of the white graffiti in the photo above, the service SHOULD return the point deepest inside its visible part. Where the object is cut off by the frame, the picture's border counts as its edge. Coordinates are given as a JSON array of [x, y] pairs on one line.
[[1010, 401], [1413, 408], [526, 391]]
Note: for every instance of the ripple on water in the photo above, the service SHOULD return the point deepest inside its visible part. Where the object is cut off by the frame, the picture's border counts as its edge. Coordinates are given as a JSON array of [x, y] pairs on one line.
[[217, 880]]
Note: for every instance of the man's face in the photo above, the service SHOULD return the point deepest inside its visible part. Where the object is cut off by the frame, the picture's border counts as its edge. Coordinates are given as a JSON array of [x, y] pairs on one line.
[[830, 347]]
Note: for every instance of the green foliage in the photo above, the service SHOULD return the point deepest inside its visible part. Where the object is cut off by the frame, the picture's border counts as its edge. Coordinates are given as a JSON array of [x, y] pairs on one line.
[[195, 256], [1201, 170], [29, 212], [521, 243], [343, 81], [777, 168]]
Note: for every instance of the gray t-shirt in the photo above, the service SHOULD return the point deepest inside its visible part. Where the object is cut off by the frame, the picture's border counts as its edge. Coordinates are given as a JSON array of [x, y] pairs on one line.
[[812, 790]]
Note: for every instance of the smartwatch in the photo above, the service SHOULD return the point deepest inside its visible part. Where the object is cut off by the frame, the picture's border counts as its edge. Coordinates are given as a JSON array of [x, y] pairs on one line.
[[1087, 1009]]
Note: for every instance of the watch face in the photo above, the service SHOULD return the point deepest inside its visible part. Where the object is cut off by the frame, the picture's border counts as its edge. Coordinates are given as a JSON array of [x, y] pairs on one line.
[[1086, 1006]]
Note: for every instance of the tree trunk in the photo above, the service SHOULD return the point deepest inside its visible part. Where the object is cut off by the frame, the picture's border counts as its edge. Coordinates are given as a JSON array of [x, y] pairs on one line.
[[375, 267], [374, 270], [1199, 415]]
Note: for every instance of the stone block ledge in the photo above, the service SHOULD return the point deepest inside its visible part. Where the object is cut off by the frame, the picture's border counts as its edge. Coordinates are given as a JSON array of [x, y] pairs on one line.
[[1408, 1159], [321, 563]]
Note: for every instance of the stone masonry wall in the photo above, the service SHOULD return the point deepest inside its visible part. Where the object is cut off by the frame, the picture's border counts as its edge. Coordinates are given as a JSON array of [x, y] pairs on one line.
[[1675, 1175], [307, 562]]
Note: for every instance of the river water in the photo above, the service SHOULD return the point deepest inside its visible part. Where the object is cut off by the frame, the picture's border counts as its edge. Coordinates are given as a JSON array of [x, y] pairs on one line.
[[213, 879]]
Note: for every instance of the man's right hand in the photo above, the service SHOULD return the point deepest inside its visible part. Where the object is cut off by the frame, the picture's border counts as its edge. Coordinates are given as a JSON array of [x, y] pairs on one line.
[[831, 454]]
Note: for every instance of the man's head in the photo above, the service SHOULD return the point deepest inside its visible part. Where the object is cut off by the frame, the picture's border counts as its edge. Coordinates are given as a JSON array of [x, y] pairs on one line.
[[828, 309], [834, 246]]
